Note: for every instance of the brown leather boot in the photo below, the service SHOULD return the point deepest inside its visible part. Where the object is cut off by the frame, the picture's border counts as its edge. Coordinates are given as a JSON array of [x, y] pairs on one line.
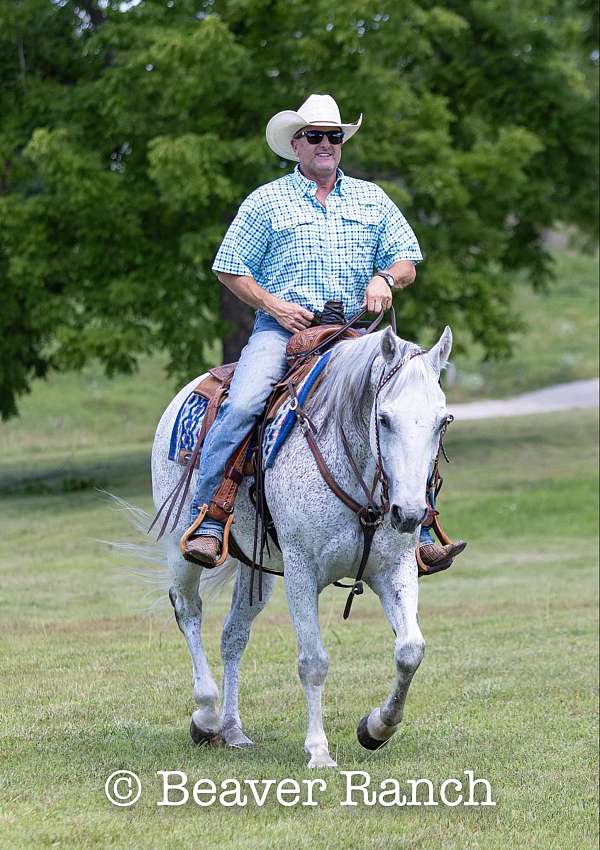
[[437, 557], [204, 549]]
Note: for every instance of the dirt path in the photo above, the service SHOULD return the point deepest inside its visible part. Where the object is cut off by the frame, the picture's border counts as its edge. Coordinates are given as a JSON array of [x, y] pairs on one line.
[[577, 394]]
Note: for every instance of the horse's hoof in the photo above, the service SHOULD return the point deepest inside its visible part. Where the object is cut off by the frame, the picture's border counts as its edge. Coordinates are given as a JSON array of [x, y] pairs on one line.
[[365, 739], [321, 761], [233, 736], [203, 736]]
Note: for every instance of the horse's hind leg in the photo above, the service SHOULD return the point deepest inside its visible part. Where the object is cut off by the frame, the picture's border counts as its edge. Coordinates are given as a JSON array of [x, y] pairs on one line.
[[183, 593], [398, 592], [234, 639]]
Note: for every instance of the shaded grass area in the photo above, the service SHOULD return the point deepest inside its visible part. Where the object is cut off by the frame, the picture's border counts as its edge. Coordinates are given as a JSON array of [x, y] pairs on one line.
[[67, 417], [91, 682]]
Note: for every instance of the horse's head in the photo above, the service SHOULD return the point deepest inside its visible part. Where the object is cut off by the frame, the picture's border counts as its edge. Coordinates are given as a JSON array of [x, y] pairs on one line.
[[407, 421]]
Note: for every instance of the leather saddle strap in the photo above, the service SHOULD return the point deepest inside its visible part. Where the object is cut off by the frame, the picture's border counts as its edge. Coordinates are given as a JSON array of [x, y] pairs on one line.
[[370, 524], [183, 484], [222, 503], [238, 553], [335, 488], [308, 431], [370, 519]]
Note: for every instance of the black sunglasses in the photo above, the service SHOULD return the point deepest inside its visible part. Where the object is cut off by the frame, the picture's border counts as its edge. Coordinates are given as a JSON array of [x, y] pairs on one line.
[[313, 137]]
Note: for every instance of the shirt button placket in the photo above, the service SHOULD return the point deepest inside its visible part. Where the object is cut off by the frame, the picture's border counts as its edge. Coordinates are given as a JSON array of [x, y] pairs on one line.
[[324, 251], [333, 261]]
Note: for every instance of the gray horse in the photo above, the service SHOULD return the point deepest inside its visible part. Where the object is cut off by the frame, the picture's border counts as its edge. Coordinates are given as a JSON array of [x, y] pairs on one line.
[[320, 538]]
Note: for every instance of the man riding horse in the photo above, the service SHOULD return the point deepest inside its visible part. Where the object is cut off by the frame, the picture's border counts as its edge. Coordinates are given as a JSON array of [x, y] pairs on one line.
[[310, 237]]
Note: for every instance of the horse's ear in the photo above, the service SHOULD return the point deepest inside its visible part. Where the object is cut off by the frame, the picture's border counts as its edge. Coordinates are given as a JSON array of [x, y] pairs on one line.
[[389, 345], [440, 352]]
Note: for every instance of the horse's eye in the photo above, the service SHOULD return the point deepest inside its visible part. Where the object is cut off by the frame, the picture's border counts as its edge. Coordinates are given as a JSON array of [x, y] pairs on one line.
[[384, 420]]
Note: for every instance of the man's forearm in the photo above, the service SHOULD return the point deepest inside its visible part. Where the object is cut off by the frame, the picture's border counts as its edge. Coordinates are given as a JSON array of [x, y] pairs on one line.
[[290, 316], [403, 272], [248, 290]]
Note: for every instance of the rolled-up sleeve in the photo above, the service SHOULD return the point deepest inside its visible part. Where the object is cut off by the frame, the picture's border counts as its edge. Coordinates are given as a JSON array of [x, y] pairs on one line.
[[397, 240], [245, 243]]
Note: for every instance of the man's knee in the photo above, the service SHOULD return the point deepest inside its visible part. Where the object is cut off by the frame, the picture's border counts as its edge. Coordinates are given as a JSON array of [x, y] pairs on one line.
[[241, 410]]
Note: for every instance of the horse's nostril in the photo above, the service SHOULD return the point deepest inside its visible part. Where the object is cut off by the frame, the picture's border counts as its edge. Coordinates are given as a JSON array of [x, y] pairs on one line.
[[396, 513]]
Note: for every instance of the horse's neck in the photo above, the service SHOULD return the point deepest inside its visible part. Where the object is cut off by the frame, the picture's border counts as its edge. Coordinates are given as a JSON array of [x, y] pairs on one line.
[[335, 454]]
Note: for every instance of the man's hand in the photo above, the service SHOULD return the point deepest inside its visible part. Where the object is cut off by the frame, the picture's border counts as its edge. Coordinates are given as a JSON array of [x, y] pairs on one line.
[[378, 295], [291, 316]]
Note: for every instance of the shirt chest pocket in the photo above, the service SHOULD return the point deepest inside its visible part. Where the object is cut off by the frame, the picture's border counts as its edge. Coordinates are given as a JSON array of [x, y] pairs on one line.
[[293, 231], [360, 229]]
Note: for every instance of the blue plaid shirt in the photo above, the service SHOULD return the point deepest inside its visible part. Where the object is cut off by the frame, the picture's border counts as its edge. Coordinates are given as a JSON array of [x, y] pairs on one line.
[[307, 253]]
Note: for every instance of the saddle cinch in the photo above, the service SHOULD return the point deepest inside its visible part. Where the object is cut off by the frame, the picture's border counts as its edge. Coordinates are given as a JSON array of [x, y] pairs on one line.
[[303, 350]]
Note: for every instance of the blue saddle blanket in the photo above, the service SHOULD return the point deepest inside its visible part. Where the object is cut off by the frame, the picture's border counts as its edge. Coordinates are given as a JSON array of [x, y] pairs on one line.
[[191, 413], [281, 426], [187, 425]]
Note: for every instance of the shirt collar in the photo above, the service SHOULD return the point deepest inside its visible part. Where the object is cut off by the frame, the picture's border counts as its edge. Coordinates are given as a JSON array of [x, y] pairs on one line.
[[309, 187]]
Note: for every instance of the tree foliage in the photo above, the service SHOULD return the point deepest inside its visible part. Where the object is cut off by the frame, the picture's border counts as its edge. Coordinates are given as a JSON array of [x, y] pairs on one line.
[[130, 134]]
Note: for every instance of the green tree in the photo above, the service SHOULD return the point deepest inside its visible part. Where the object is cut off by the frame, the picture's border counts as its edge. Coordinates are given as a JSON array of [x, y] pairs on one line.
[[130, 134]]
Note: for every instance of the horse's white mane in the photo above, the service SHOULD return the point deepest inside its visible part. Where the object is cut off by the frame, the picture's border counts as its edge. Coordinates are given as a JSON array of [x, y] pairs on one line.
[[340, 395]]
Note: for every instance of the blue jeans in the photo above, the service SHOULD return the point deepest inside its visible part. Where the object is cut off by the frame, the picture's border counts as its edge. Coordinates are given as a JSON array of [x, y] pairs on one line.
[[426, 534], [262, 363]]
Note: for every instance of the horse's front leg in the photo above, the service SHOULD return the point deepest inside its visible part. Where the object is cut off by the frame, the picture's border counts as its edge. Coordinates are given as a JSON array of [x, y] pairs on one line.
[[234, 639], [398, 591], [183, 593], [302, 597]]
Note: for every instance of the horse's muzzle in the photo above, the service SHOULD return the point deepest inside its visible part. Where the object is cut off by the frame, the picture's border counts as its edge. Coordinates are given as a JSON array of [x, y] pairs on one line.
[[406, 520]]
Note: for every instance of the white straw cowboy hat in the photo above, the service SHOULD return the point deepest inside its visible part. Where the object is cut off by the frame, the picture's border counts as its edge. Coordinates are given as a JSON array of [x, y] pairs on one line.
[[320, 110]]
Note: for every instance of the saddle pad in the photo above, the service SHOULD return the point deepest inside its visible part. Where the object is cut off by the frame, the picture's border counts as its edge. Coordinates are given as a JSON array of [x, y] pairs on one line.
[[189, 420], [186, 426], [281, 426]]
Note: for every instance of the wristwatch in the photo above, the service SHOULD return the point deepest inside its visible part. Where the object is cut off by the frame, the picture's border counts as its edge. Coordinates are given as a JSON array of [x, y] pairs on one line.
[[389, 279]]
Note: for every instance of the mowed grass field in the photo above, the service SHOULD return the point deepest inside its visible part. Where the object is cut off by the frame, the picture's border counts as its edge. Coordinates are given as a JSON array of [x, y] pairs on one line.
[[92, 682]]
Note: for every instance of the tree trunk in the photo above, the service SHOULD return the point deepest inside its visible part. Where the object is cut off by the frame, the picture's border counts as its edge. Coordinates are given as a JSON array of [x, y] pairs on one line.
[[241, 319]]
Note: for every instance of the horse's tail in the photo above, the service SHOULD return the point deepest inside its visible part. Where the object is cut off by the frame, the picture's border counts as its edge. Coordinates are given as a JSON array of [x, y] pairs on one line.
[[212, 582]]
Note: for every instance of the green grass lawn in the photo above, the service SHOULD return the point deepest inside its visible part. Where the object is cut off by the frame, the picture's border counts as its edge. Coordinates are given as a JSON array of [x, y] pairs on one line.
[[91, 682], [560, 342]]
